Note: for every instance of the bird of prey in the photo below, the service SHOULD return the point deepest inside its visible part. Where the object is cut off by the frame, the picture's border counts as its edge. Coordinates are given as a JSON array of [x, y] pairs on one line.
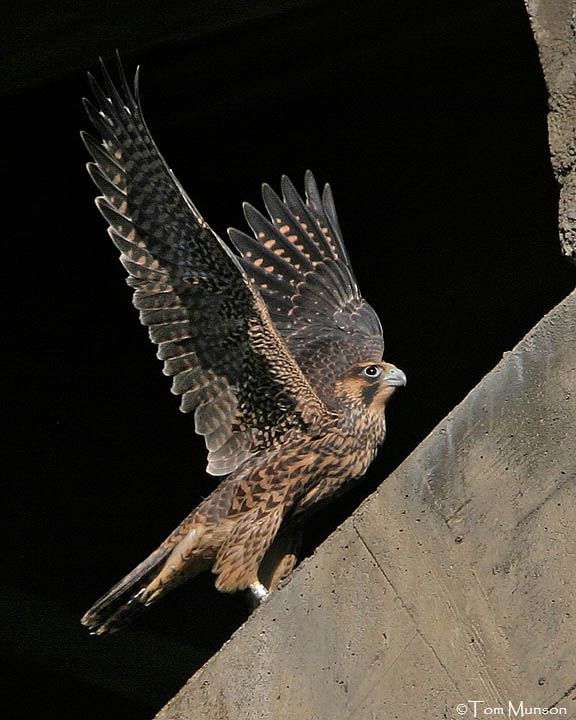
[[271, 347]]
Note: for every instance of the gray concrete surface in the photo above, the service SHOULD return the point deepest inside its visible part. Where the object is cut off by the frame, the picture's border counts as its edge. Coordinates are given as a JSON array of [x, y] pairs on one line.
[[554, 27], [454, 582]]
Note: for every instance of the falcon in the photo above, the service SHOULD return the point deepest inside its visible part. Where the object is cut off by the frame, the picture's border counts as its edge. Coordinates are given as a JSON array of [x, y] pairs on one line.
[[271, 347]]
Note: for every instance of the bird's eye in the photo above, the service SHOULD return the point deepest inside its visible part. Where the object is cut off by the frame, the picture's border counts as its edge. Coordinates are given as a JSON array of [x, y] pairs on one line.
[[372, 371]]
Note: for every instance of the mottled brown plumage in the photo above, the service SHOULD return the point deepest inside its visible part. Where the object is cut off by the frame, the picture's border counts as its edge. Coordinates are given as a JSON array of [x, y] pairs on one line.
[[273, 350]]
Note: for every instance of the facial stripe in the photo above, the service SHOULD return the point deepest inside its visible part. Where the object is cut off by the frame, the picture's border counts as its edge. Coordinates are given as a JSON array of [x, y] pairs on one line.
[[368, 392]]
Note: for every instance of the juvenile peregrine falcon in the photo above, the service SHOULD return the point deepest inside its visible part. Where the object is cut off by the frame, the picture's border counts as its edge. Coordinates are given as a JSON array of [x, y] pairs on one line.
[[272, 348]]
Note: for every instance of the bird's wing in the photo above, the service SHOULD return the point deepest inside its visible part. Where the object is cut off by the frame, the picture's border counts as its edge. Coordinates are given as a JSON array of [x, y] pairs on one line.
[[298, 261], [212, 328]]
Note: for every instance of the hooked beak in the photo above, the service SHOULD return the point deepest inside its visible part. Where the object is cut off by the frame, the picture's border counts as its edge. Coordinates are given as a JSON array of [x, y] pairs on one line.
[[393, 376]]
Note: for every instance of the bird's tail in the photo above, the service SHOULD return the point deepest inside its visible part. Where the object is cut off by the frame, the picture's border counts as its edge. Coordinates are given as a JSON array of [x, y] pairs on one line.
[[170, 564]]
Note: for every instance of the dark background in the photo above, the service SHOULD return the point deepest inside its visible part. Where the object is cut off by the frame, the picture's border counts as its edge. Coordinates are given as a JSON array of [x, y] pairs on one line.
[[429, 121]]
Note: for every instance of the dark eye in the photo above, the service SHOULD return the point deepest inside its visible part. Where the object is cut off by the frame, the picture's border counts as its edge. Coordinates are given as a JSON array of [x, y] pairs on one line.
[[372, 371]]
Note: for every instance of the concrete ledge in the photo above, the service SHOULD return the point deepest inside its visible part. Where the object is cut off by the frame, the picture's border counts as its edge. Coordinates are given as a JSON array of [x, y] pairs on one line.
[[455, 581]]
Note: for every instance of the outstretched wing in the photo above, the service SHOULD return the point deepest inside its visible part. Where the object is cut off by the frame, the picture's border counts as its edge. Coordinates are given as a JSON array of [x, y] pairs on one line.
[[298, 261], [213, 330]]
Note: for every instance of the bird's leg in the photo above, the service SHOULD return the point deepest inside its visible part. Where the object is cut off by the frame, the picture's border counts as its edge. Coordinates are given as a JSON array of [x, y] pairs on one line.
[[278, 563], [259, 591], [256, 593], [281, 557]]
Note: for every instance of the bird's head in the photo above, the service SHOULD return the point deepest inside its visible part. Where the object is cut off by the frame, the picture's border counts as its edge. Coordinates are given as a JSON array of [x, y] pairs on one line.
[[370, 385]]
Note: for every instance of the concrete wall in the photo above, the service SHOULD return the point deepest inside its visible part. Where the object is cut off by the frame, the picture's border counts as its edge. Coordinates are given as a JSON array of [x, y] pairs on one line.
[[454, 582], [554, 30]]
